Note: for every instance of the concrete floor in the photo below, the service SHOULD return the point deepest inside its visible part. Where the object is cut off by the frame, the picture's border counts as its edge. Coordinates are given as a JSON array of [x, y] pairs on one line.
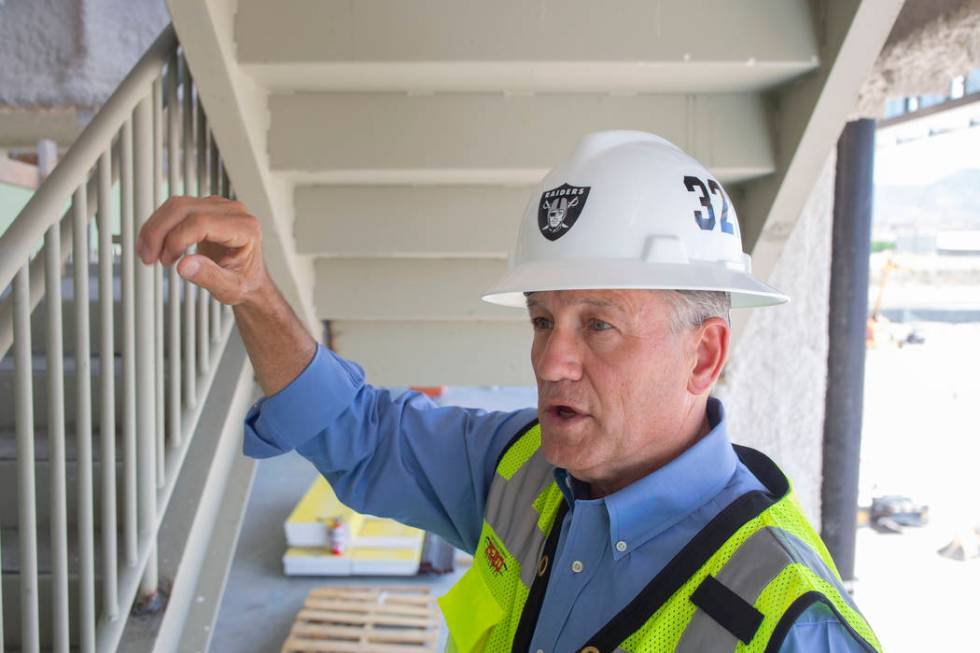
[[920, 439], [260, 603]]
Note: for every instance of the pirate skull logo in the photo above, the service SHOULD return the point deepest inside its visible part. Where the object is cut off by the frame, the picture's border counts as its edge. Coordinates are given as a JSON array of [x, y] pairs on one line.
[[559, 209]]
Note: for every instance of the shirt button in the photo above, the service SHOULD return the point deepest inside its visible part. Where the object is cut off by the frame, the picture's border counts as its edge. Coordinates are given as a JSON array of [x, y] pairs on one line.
[[540, 650], [620, 546], [577, 566]]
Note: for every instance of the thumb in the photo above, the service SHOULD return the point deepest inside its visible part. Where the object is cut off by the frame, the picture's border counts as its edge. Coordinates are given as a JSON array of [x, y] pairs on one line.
[[202, 271]]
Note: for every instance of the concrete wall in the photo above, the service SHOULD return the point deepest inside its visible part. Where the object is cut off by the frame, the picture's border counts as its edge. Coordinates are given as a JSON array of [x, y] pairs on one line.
[[775, 381], [58, 53]]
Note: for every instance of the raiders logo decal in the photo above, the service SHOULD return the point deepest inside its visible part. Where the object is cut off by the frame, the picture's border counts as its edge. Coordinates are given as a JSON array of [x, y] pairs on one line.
[[560, 208]]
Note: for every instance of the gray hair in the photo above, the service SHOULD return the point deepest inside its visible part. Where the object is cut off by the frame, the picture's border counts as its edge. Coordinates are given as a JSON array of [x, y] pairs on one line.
[[693, 307]]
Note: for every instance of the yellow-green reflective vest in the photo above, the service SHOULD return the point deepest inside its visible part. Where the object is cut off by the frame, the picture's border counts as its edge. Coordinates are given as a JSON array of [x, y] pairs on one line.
[[738, 585]]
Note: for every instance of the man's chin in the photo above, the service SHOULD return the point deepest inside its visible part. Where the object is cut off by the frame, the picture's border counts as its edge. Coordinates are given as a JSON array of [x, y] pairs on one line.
[[567, 453]]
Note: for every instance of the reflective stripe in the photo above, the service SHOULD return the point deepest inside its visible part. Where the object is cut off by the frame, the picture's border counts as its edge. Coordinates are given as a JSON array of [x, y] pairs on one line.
[[753, 566], [750, 569], [511, 516], [800, 552]]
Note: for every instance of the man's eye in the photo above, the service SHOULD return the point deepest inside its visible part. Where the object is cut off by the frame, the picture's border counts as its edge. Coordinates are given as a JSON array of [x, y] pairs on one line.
[[540, 323], [599, 325]]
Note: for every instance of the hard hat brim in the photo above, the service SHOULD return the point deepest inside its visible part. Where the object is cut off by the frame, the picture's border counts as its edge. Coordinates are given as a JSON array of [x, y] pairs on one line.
[[618, 274]]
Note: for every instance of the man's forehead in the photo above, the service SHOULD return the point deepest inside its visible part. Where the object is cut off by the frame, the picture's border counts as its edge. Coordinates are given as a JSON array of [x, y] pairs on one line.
[[618, 299]]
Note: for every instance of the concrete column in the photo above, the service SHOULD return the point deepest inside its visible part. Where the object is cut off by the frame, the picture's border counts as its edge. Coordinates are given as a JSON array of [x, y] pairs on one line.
[[851, 249]]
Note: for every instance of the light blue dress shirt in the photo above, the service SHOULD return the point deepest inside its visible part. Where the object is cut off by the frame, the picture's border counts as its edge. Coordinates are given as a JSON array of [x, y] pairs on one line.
[[431, 467]]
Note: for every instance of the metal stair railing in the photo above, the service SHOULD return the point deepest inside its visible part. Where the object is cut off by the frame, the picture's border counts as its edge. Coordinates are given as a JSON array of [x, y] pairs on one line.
[[152, 128]]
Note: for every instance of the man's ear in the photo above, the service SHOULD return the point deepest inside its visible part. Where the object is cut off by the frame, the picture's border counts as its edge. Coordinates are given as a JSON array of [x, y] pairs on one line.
[[710, 354]]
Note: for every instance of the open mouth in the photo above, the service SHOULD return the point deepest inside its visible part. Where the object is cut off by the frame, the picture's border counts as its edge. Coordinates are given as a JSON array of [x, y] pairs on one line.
[[564, 412]]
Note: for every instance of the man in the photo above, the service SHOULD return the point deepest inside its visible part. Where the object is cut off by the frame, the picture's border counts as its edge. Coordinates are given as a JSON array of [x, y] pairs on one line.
[[616, 516]]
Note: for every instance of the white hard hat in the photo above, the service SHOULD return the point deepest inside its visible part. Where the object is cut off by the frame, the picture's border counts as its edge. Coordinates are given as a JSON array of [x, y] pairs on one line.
[[630, 210]]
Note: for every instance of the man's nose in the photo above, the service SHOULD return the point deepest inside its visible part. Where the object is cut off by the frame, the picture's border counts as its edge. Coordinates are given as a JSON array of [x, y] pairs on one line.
[[559, 356]]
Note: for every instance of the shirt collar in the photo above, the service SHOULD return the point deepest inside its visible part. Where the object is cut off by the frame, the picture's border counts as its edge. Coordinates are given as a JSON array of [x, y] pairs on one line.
[[659, 500]]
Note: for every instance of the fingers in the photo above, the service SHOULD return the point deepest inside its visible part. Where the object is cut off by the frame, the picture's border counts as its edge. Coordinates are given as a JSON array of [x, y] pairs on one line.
[[172, 213], [226, 286], [229, 230]]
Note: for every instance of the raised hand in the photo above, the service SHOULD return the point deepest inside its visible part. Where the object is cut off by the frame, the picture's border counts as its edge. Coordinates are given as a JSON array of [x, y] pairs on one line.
[[228, 262]]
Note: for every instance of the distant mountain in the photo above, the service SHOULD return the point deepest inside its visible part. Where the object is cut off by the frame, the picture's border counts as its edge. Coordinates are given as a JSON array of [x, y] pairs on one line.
[[953, 202]]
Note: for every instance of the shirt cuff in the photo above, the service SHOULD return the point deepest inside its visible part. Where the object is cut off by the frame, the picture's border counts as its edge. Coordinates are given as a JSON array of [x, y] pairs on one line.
[[304, 408]]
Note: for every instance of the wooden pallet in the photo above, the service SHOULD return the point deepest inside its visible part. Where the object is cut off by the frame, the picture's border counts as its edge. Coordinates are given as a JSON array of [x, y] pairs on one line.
[[366, 619]]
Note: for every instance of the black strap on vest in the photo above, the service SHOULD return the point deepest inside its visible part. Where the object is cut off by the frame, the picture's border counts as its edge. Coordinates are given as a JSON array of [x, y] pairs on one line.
[[677, 572], [532, 608], [680, 569], [731, 611]]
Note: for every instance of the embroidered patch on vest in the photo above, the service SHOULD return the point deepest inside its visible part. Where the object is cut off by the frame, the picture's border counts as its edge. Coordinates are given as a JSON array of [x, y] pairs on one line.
[[495, 559]]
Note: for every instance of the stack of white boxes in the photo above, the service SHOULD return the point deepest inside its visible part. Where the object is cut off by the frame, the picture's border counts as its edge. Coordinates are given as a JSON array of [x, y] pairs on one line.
[[326, 538]]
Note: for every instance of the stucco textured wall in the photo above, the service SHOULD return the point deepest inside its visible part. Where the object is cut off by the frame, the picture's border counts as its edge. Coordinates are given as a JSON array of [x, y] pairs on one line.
[[774, 385], [932, 41], [57, 53]]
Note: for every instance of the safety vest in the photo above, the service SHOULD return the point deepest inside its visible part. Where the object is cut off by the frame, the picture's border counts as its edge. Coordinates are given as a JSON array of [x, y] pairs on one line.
[[739, 584]]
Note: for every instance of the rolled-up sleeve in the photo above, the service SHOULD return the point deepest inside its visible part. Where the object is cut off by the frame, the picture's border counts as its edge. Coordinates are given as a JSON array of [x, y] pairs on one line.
[[399, 457]]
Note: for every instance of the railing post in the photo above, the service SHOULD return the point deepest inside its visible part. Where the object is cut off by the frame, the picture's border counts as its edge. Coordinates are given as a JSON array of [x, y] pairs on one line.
[[158, 338], [145, 376], [174, 284], [107, 406], [83, 422], [26, 496], [190, 290], [215, 190], [56, 441], [129, 346], [203, 190]]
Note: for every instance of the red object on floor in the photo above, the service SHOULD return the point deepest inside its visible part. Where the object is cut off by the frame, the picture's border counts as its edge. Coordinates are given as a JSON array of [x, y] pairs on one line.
[[434, 391]]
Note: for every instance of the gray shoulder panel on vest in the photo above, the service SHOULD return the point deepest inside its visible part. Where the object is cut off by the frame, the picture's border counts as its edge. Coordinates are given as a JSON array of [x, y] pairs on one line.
[[753, 566], [511, 515]]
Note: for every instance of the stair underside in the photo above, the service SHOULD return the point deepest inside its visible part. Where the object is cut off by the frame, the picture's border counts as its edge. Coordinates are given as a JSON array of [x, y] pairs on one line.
[[411, 135]]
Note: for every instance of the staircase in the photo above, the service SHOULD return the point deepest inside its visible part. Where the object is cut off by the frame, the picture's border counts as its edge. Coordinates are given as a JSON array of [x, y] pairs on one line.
[[398, 142], [122, 390]]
